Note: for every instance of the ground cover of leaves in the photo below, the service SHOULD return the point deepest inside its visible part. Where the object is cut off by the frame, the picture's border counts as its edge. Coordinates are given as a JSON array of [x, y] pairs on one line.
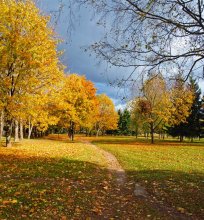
[[171, 172], [55, 179]]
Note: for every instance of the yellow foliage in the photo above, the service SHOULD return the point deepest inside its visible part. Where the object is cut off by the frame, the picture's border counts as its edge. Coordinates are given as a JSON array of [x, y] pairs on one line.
[[77, 101], [29, 64], [181, 101], [159, 106], [107, 116]]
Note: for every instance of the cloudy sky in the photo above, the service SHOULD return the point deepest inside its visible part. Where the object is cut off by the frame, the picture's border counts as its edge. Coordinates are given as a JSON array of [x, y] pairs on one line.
[[84, 32]]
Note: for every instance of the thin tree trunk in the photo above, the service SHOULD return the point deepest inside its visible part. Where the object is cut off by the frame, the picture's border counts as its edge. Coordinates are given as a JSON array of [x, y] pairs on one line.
[[97, 133], [16, 137], [30, 131], [136, 133], [30, 128], [152, 132], [1, 124], [181, 138], [71, 131], [87, 132], [9, 126], [21, 130]]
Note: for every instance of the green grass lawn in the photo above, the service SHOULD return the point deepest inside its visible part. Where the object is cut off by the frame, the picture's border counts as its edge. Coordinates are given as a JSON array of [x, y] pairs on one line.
[[172, 172]]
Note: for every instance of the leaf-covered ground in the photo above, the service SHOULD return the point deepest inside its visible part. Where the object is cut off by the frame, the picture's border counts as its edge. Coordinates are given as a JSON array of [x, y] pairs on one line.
[[55, 179], [49, 180], [171, 172]]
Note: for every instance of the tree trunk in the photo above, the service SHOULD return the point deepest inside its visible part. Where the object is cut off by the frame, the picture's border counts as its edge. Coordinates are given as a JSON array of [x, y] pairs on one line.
[[181, 138], [97, 133], [71, 131], [30, 131], [136, 133], [21, 130], [16, 137], [1, 124], [9, 126], [30, 128], [152, 132], [87, 132]]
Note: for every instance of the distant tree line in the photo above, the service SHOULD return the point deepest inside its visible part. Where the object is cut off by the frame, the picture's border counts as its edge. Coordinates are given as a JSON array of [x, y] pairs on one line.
[[177, 111]]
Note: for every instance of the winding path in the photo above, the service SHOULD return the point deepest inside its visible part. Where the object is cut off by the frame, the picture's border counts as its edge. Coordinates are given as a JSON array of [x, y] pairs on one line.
[[112, 163]]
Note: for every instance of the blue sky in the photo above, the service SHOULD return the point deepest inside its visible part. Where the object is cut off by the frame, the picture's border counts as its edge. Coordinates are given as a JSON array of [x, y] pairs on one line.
[[82, 34]]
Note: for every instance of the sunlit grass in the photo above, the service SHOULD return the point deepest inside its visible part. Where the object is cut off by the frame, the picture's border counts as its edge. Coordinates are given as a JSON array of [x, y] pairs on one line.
[[171, 171]]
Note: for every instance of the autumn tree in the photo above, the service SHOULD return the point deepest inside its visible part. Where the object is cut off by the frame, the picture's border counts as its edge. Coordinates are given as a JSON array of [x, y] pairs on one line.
[[190, 127], [77, 103], [181, 98], [155, 102], [137, 122], [151, 34], [40, 112], [28, 57], [107, 116], [160, 106]]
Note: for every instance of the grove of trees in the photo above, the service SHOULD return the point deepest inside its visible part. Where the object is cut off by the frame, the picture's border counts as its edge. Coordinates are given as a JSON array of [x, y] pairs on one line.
[[174, 109], [35, 93]]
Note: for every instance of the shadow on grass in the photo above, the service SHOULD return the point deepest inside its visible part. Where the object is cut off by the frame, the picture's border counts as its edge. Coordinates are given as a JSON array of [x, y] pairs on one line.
[[134, 141], [36, 187], [182, 191]]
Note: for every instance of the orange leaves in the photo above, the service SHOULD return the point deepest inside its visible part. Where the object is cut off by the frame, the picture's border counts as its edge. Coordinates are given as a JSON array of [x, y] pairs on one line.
[[8, 202], [77, 100]]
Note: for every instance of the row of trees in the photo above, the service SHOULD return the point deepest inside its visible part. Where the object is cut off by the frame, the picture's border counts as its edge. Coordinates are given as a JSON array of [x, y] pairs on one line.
[[34, 91], [175, 109]]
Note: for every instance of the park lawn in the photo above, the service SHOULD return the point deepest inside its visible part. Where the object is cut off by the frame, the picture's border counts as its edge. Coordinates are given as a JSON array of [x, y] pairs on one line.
[[172, 172], [51, 179]]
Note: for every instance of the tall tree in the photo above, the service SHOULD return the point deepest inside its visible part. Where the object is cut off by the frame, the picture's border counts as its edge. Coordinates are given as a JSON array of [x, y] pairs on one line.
[[126, 120], [192, 122], [28, 57], [160, 106], [185, 120], [155, 102], [77, 103], [107, 115]]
